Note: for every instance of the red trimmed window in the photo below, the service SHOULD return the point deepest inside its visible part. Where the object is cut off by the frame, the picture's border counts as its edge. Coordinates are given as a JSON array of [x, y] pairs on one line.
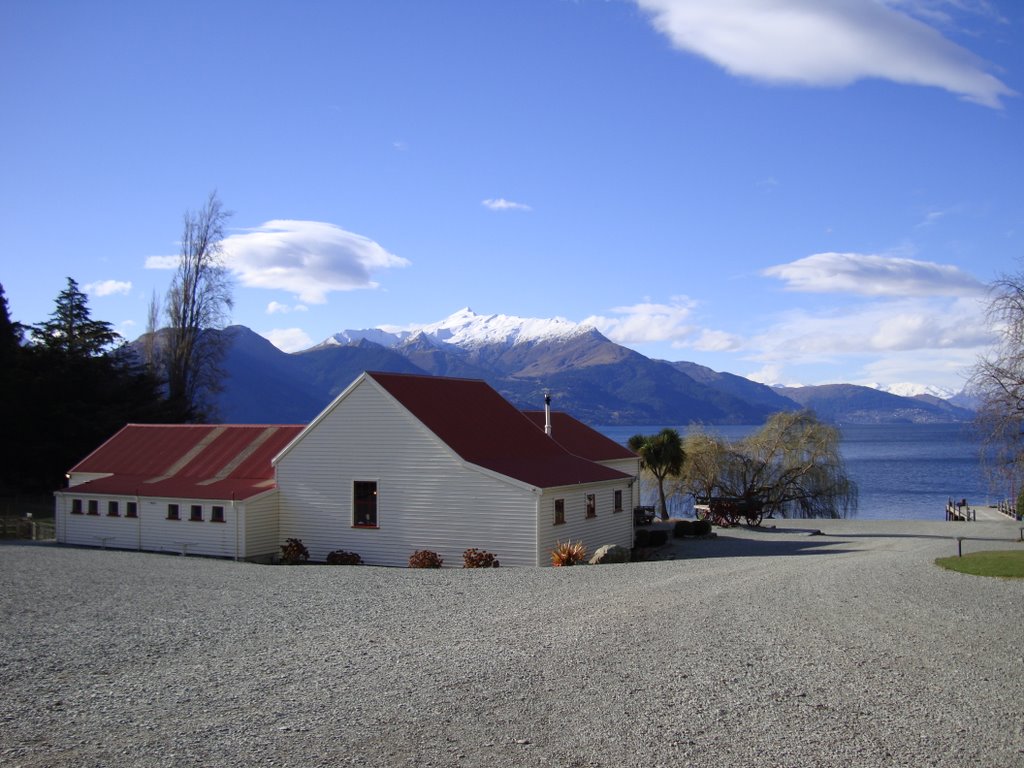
[[76, 506], [364, 504], [112, 510], [131, 509], [217, 514], [94, 506], [172, 512], [591, 505], [559, 511], [196, 513]]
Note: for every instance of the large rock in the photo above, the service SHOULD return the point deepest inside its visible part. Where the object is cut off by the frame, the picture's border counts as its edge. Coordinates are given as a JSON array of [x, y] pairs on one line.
[[610, 553]]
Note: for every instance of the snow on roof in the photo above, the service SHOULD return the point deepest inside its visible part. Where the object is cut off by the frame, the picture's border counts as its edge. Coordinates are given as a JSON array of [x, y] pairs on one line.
[[201, 461], [485, 429]]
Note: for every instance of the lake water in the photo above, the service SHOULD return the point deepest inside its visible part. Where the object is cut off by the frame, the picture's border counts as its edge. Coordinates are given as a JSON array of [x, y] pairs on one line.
[[903, 471]]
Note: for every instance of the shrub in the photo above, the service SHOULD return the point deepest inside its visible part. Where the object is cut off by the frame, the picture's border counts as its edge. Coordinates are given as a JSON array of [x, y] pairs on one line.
[[293, 551], [640, 537], [682, 528], [341, 557], [657, 538], [568, 553], [700, 528], [479, 558], [424, 558]]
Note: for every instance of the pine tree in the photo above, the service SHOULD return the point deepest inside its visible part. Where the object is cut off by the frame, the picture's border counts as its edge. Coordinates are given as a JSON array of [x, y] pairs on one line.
[[71, 329], [11, 333]]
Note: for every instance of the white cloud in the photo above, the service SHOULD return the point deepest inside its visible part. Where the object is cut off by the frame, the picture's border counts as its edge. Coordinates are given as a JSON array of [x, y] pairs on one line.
[[771, 375], [277, 308], [874, 275], [108, 288], [647, 322], [307, 258], [501, 204], [288, 339], [162, 262], [930, 340], [716, 341], [890, 326], [819, 43]]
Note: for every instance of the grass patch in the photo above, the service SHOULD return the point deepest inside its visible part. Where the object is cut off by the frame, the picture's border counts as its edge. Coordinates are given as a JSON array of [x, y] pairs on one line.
[[1008, 564]]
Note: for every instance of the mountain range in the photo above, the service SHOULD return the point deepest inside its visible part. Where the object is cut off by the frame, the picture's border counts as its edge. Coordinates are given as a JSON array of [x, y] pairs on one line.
[[586, 374]]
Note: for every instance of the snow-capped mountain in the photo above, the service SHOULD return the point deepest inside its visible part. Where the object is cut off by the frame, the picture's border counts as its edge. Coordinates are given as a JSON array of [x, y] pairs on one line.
[[909, 389], [467, 330]]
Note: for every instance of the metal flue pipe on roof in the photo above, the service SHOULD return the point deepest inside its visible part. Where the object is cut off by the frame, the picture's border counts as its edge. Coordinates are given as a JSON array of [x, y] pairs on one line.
[[547, 412]]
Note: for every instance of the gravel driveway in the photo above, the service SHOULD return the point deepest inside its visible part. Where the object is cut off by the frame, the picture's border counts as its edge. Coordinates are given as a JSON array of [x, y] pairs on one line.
[[756, 648]]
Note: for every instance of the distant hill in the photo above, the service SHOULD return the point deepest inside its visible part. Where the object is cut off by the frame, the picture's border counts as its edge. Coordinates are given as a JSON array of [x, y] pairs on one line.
[[853, 404], [588, 376]]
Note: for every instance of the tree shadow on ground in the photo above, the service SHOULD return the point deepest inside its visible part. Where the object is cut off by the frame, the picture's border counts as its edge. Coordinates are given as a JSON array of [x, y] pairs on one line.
[[724, 545]]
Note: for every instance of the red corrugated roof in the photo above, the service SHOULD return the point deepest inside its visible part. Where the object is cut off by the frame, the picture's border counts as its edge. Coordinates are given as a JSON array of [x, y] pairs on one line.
[[579, 439], [485, 429], [201, 461]]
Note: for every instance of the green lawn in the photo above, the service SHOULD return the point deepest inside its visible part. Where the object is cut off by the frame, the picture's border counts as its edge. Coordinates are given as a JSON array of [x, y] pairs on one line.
[[1005, 563]]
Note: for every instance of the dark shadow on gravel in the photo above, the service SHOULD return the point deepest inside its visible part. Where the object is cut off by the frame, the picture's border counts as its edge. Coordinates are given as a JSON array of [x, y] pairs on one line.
[[725, 546]]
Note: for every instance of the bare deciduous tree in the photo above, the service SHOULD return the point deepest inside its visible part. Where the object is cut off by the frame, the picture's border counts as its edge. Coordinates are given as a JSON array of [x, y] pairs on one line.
[[199, 301], [149, 339], [997, 382]]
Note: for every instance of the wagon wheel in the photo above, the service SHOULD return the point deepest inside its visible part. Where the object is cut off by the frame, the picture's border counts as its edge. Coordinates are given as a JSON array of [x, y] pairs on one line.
[[755, 518], [724, 515]]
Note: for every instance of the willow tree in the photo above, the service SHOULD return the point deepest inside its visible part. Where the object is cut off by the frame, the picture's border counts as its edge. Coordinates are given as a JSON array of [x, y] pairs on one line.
[[792, 466], [997, 382], [662, 456], [199, 302]]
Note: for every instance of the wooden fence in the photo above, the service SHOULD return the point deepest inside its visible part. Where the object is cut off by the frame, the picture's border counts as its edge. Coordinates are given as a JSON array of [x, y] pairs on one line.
[[26, 528]]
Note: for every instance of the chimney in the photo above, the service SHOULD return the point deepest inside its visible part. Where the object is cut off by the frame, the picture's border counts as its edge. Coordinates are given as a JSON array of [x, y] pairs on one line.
[[547, 412]]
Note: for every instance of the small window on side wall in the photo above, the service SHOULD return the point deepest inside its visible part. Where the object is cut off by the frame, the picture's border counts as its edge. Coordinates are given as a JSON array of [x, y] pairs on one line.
[[217, 514], [94, 506], [112, 510], [196, 513], [131, 509], [364, 504], [172, 512], [76, 506], [591, 505], [559, 511], [618, 501]]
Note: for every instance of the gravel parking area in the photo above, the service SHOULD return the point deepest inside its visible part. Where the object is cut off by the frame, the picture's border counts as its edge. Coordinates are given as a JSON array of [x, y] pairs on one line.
[[756, 648]]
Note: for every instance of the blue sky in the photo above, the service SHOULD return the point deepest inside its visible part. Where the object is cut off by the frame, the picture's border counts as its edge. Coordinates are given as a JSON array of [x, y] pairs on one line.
[[799, 191]]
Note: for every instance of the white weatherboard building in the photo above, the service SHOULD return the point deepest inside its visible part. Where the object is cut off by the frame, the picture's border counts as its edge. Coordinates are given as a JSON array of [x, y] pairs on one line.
[[396, 463]]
